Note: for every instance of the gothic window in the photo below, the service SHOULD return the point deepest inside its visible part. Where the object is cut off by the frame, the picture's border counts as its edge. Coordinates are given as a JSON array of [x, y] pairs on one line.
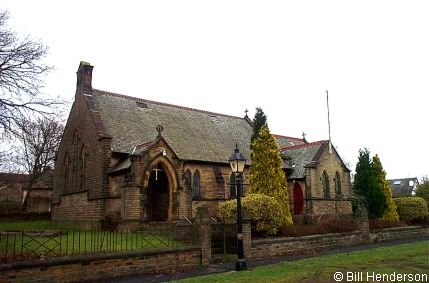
[[187, 177], [232, 188], [337, 184], [75, 162], [196, 189], [83, 167], [325, 182], [66, 173]]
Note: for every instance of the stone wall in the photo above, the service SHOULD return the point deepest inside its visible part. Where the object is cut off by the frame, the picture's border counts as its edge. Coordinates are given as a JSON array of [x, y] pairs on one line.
[[397, 233], [212, 191], [302, 245], [316, 243], [96, 267], [76, 207]]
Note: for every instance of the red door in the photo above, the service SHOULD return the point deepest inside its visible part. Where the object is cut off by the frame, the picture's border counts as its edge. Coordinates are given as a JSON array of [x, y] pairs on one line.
[[298, 199]]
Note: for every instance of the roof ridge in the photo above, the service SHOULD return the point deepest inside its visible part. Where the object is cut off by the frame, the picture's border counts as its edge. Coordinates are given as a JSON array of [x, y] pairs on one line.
[[283, 136], [165, 104], [303, 145]]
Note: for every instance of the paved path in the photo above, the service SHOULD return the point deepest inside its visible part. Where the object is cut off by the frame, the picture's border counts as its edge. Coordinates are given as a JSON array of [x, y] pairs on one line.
[[230, 266]]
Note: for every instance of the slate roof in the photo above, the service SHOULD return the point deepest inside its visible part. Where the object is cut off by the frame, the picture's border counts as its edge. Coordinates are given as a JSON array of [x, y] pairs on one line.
[[403, 187], [302, 156], [285, 141], [193, 134]]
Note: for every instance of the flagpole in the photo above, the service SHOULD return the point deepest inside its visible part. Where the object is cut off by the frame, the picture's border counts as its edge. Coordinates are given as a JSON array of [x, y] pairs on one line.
[[329, 122]]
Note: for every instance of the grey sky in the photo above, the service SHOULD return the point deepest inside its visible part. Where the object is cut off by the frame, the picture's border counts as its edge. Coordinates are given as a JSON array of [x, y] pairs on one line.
[[226, 56]]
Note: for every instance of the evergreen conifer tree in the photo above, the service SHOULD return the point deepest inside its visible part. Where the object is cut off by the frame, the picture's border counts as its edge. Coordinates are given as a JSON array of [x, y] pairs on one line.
[[423, 189], [266, 174], [390, 213], [366, 186], [259, 121]]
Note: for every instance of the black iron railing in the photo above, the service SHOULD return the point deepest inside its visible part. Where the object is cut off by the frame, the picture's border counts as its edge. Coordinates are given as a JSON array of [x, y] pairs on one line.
[[23, 245]]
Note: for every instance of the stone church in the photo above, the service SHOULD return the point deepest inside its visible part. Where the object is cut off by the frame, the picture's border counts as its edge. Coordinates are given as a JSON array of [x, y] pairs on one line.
[[143, 160]]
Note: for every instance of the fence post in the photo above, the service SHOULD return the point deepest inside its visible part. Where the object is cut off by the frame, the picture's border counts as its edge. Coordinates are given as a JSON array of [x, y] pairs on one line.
[[202, 219], [247, 233], [361, 218]]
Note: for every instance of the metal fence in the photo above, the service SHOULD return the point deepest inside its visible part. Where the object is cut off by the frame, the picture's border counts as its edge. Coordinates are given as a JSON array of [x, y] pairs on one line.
[[223, 238], [24, 245]]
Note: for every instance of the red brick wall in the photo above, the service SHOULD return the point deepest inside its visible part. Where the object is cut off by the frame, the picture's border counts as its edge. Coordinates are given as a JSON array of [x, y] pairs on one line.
[[83, 124]]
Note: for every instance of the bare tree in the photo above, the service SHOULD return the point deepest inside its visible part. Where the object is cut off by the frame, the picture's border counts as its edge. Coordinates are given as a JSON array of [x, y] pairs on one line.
[[37, 142], [21, 72], [7, 164]]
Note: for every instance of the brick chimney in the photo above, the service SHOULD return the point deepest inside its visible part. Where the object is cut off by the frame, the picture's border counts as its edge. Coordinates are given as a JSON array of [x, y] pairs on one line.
[[84, 77]]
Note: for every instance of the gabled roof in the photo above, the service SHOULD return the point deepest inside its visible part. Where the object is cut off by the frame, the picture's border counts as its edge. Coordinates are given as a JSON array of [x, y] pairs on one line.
[[192, 134], [285, 141], [302, 156], [403, 187]]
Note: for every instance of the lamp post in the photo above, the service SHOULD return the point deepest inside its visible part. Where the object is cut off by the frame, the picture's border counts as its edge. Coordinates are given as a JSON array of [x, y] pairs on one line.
[[237, 162]]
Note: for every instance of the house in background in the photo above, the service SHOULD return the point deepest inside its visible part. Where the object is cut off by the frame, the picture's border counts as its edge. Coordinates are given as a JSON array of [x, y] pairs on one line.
[[145, 160], [404, 187], [11, 192], [14, 187]]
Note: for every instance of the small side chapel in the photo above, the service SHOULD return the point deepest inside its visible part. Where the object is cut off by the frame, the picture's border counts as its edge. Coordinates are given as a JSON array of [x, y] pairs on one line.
[[142, 160]]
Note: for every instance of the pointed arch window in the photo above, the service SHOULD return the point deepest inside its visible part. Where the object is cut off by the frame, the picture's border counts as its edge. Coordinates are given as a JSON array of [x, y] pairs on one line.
[[187, 177], [337, 183], [75, 167], [83, 167], [67, 175], [325, 182], [196, 188]]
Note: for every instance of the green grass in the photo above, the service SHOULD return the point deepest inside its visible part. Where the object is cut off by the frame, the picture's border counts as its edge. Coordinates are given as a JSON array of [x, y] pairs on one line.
[[74, 241], [27, 225], [406, 258]]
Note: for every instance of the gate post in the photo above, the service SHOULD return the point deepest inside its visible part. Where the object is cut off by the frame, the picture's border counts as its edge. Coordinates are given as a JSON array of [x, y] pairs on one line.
[[361, 216], [247, 233], [202, 219]]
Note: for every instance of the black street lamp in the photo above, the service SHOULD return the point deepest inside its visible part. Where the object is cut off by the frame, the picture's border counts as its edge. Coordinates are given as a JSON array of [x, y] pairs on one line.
[[237, 162]]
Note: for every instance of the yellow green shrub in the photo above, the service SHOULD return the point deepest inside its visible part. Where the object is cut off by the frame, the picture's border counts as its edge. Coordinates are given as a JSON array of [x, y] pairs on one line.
[[411, 208], [264, 211]]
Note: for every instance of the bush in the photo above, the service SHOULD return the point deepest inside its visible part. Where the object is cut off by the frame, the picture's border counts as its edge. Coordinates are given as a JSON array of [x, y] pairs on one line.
[[382, 224], [264, 212], [411, 208]]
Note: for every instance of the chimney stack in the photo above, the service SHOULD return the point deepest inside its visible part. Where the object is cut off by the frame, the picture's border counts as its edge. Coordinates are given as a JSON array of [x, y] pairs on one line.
[[84, 77]]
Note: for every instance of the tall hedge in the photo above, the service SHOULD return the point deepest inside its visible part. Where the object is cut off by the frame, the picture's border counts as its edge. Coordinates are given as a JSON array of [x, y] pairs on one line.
[[411, 208]]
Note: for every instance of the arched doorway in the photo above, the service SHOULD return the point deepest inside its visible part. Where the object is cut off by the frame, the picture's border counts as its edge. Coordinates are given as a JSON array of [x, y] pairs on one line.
[[158, 194], [298, 199]]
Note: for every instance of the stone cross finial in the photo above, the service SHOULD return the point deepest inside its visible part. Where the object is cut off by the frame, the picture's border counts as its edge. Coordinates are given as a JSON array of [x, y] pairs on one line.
[[303, 137], [159, 129], [245, 111]]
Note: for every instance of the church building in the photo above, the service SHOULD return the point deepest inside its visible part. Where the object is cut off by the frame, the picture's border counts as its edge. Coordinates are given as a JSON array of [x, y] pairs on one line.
[[142, 160]]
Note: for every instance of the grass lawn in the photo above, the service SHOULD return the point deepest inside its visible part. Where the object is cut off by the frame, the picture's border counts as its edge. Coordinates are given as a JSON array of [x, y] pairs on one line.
[[26, 225], [74, 241], [405, 259]]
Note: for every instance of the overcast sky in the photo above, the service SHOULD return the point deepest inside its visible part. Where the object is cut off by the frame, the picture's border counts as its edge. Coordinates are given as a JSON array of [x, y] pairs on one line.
[[226, 56]]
